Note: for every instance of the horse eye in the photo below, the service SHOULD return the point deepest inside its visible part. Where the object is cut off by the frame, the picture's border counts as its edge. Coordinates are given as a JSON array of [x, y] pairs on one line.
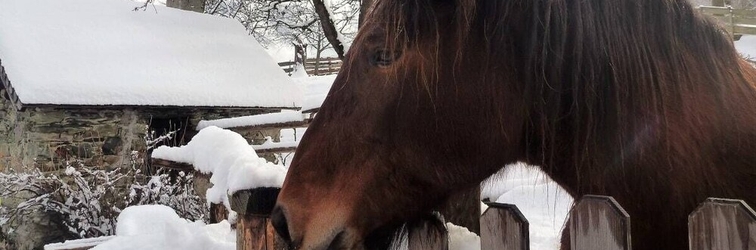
[[384, 58]]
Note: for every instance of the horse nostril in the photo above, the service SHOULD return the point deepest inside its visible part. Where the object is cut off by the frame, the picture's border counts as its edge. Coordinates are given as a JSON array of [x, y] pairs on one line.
[[278, 219]]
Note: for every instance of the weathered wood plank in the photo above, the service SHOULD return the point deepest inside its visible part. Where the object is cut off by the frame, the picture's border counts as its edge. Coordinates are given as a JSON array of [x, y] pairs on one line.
[[429, 235], [745, 20], [599, 222], [253, 229], [172, 165], [745, 29], [275, 150], [503, 227], [722, 224], [296, 124]]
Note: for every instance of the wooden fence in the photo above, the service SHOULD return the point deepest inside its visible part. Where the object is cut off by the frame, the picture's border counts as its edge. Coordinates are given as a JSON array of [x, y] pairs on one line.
[[737, 21], [315, 67], [597, 223]]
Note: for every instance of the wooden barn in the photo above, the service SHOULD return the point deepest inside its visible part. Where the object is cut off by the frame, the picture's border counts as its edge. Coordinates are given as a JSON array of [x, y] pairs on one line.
[[96, 83]]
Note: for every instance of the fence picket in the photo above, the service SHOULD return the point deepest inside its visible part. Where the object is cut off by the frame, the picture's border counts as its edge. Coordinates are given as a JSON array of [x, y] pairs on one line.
[[503, 227], [722, 224], [599, 222]]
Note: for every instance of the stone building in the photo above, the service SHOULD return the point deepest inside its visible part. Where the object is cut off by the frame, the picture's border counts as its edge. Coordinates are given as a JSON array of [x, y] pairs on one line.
[[68, 96], [96, 81]]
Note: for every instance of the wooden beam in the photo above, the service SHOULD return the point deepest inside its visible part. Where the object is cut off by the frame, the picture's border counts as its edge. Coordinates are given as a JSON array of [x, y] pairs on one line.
[[276, 150], [296, 124], [172, 164]]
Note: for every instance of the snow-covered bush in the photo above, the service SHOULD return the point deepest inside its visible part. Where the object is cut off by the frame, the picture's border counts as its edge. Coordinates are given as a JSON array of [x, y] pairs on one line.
[[80, 196], [176, 191], [89, 199]]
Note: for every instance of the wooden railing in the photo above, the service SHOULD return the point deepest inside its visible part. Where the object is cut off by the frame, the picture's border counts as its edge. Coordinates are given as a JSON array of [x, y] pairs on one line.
[[737, 22], [313, 66]]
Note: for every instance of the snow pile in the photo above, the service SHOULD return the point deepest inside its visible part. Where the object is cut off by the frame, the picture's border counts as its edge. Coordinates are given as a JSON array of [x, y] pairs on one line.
[[101, 52], [315, 90], [158, 227], [284, 116], [747, 46], [543, 203], [462, 239], [226, 155]]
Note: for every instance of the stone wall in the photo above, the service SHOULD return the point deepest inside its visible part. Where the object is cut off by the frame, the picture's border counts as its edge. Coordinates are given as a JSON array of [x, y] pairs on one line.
[[47, 137]]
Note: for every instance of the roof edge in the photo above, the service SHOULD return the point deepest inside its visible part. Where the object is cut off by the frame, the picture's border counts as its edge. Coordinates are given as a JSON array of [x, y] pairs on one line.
[[89, 106], [6, 84]]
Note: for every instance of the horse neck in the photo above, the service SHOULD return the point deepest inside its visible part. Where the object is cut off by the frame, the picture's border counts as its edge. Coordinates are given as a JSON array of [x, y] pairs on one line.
[[679, 98]]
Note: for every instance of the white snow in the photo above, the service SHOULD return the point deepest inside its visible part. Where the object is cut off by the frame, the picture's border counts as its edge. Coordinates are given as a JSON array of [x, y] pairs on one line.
[[254, 120], [76, 244], [747, 46], [158, 227], [269, 144], [226, 155], [101, 52], [462, 239], [315, 90], [543, 203]]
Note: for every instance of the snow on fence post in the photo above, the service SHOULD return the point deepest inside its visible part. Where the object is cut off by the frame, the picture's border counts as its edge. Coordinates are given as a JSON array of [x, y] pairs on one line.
[[503, 227], [253, 228], [429, 235], [599, 222], [722, 224]]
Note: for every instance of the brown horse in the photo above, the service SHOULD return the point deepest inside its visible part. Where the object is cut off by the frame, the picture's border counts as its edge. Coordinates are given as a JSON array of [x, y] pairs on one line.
[[643, 100]]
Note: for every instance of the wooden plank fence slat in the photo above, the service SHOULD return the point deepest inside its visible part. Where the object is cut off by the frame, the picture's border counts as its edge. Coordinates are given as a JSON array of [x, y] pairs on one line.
[[745, 20], [599, 222], [722, 224], [503, 227]]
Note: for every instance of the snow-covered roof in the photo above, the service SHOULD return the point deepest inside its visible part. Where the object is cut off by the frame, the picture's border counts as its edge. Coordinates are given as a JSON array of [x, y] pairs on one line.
[[103, 52]]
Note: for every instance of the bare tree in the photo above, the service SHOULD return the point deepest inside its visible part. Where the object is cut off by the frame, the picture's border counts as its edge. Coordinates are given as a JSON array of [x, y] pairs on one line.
[[329, 27], [364, 8], [190, 5]]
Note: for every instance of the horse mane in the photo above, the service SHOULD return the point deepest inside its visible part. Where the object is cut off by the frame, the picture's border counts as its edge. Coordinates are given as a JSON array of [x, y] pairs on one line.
[[603, 76]]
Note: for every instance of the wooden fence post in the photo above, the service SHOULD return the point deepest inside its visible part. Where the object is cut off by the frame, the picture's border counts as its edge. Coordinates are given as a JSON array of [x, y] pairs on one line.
[[599, 222], [253, 228], [503, 227], [431, 234], [722, 224]]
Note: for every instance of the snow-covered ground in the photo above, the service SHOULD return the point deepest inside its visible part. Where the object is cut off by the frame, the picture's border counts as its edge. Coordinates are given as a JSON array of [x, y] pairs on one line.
[[315, 89], [157, 227], [747, 46]]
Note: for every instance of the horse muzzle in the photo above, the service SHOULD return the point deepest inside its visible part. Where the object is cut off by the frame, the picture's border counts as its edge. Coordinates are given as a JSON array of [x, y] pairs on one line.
[[323, 232]]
